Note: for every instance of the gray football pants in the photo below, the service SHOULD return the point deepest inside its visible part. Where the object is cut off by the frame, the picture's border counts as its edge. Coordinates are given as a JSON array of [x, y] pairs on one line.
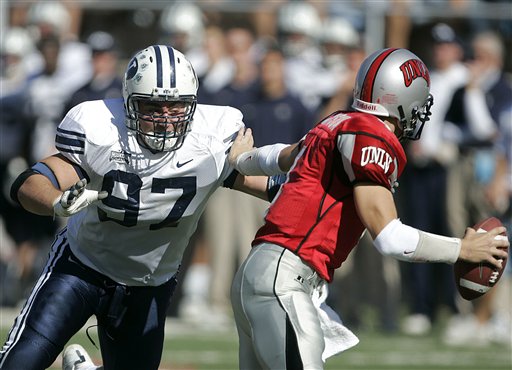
[[277, 323]]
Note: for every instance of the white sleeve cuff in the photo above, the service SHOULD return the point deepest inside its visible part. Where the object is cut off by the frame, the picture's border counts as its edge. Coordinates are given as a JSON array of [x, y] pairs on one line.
[[262, 161], [412, 245]]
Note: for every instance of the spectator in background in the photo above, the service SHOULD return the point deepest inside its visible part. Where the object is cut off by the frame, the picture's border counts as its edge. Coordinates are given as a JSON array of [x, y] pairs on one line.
[[220, 66], [183, 26], [428, 286], [243, 87], [105, 82], [45, 97], [349, 51], [53, 19], [277, 115], [62, 65], [16, 44], [299, 26], [499, 194], [222, 242], [337, 39], [499, 190], [475, 113], [28, 106]]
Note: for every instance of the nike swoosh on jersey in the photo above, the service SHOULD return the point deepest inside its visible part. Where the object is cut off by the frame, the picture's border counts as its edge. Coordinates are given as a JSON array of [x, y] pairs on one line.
[[183, 163]]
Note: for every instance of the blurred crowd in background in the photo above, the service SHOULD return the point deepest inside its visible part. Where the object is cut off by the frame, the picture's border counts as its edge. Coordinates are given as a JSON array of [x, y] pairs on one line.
[[285, 65]]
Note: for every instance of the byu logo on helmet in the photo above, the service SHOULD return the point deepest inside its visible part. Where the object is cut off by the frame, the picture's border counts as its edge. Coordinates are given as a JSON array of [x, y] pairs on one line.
[[133, 66]]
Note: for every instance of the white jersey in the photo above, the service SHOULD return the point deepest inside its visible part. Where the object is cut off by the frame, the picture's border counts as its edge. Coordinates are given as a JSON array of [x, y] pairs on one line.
[[137, 235]]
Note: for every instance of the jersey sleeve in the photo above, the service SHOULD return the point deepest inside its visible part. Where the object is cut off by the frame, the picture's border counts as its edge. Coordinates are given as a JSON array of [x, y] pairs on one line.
[[231, 123], [71, 139], [367, 158]]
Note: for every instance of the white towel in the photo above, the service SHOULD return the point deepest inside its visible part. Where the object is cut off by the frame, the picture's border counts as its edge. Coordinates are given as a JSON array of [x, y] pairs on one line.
[[337, 337]]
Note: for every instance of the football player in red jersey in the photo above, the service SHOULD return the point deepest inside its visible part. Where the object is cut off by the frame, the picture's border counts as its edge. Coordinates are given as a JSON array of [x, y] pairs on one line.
[[340, 183]]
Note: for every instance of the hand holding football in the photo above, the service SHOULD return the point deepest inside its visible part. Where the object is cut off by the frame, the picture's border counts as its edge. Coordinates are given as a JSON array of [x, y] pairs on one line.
[[475, 279]]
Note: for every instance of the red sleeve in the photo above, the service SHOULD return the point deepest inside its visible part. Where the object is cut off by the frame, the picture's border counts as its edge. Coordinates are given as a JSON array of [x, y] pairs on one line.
[[367, 158]]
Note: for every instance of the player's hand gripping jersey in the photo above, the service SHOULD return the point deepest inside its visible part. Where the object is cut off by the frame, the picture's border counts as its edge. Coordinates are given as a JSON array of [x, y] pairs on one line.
[[163, 193], [342, 150]]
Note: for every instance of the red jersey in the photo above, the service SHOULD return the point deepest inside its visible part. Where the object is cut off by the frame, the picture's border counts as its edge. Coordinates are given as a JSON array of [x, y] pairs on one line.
[[314, 213]]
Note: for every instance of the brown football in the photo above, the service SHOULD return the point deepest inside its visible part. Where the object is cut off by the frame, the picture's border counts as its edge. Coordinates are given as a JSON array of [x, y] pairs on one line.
[[475, 279]]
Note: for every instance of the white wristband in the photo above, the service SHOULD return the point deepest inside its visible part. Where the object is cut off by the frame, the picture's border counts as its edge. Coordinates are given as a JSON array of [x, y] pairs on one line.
[[262, 161], [437, 248]]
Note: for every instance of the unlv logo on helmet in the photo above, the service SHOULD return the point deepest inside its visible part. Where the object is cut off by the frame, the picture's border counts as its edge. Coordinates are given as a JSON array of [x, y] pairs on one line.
[[412, 69]]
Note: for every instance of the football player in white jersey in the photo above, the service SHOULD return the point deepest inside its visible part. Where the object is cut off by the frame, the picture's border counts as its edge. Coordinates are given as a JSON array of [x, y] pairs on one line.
[[133, 175]]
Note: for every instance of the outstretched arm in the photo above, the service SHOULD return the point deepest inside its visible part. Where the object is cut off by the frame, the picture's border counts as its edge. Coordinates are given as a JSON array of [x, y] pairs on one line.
[[267, 160], [37, 190], [377, 211], [52, 186], [255, 164]]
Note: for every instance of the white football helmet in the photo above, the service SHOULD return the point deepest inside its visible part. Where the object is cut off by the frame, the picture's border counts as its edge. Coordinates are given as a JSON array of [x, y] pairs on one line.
[[185, 19], [340, 31], [160, 73], [16, 41], [53, 13], [298, 25], [395, 83]]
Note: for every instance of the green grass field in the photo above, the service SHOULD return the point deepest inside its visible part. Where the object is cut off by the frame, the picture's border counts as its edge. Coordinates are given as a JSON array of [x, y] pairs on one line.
[[190, 348]]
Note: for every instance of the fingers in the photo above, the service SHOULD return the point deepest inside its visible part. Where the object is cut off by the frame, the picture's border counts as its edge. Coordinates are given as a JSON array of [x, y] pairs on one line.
[[500, 253], [498, 263], [76, 198], [241, 134], [498, 230], [499, 240], [499, 249], [73, 193], [244, 135], [469, 231]]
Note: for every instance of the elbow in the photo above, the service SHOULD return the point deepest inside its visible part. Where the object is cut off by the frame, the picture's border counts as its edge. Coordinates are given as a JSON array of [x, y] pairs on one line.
[[18, 183]]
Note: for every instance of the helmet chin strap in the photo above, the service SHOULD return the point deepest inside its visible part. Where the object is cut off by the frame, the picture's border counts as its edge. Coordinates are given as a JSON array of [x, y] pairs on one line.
[[161, 144], [402, 121]]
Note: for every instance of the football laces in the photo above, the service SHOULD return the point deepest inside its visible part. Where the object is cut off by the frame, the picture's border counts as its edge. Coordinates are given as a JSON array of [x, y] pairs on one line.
[[494, 277]]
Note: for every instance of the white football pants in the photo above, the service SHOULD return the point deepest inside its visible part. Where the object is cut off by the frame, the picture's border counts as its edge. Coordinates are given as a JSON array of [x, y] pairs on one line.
[[277, 323]]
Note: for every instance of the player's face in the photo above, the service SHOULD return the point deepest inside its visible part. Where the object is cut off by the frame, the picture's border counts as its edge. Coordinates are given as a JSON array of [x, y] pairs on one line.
[[395, 126], [160, 117]]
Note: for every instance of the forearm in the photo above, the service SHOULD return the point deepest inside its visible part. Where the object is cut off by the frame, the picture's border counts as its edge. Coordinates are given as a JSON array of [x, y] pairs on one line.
[[37, 195], [409, 244], [263, 161], [252, 185], [268, 160], [287, 156], [391, 237]]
